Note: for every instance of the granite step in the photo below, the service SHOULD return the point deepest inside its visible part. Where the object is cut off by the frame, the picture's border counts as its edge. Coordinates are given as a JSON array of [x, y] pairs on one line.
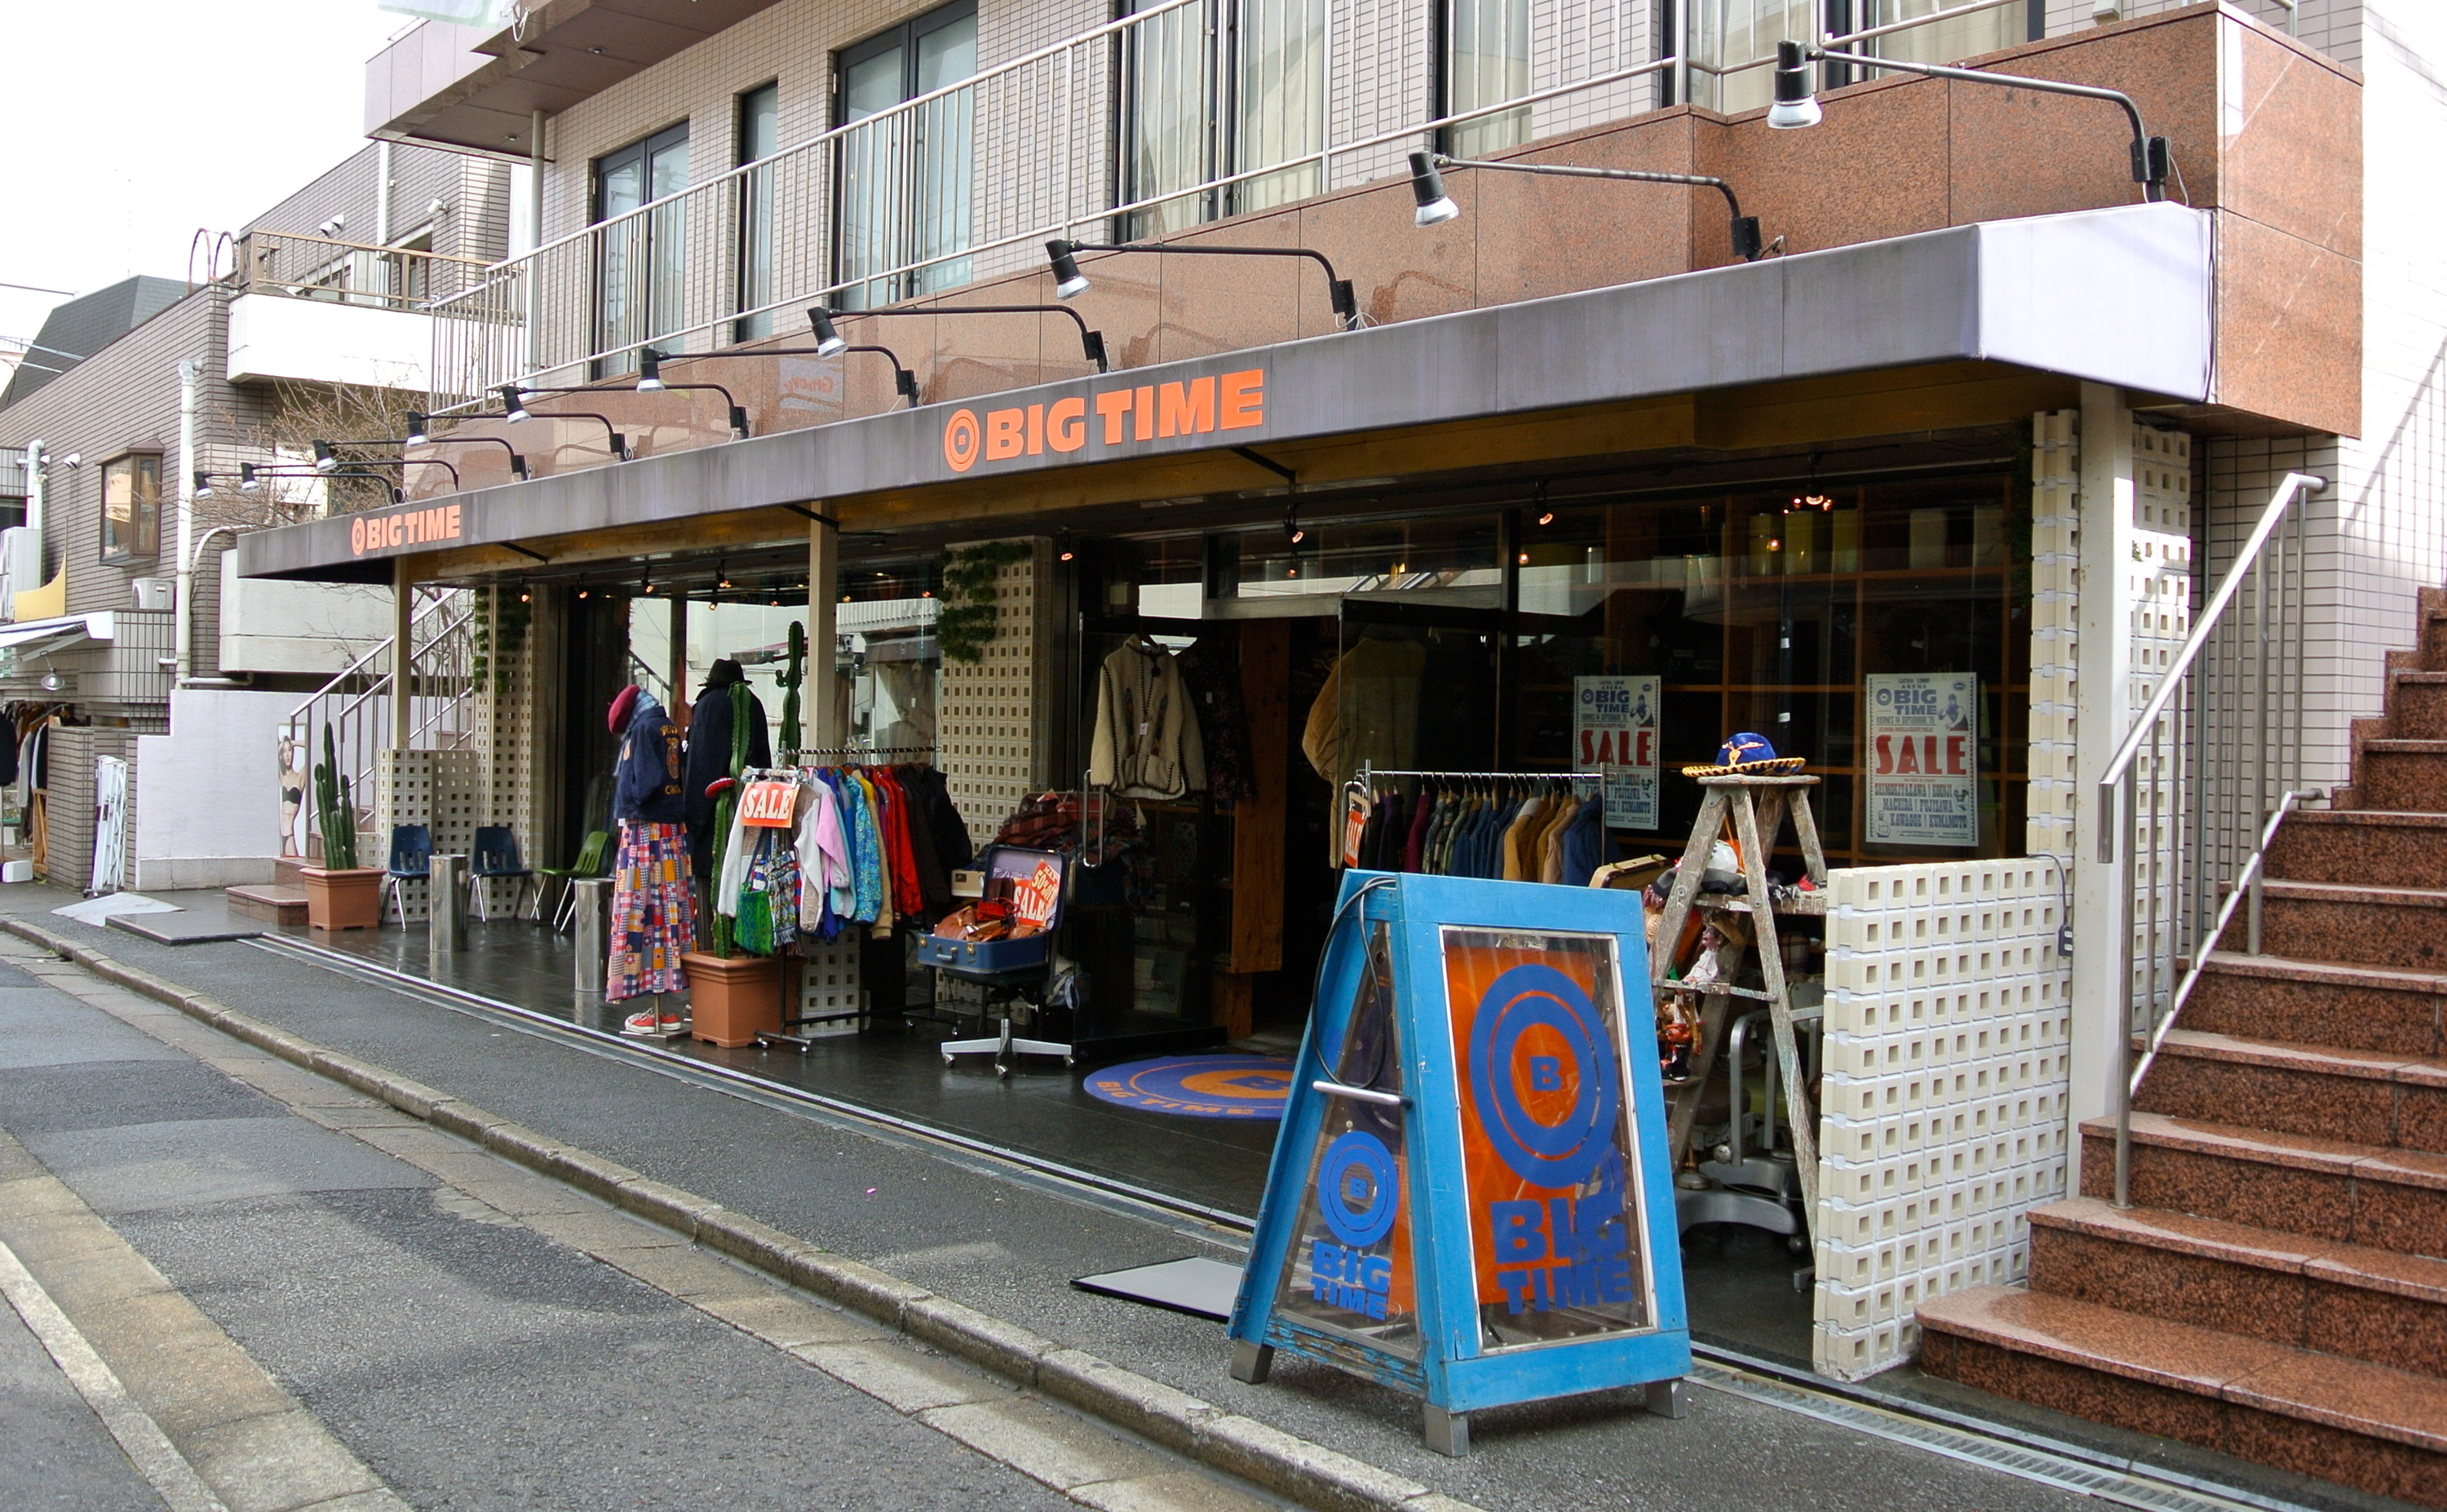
[[2352, 1007], [2368, 1194], [2356, 925], [2364, 847], [2363, 1097], [2405, 775], [2365, 1425], [2417, 704], [2347, 1299], [268, 900]]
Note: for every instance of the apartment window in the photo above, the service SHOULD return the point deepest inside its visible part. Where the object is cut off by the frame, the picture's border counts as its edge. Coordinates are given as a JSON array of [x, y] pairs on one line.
[[640, 261], [760, 136], [905, 176], [1486, 62], [409, 275], [1270, 71], [131, 507]]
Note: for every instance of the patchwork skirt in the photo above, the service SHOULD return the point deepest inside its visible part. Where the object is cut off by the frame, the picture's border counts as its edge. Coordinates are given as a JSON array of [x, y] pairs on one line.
[[654, 912]]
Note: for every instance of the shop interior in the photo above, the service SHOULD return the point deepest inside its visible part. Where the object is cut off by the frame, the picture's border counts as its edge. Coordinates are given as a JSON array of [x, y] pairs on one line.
[[1323, 638]]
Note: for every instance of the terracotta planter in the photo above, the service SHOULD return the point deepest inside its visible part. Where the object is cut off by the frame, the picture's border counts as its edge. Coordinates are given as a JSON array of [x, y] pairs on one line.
[[732, 998], [350, 898]]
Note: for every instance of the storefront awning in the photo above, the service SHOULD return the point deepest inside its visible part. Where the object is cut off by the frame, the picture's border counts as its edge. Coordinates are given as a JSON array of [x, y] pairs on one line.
[[2121, 297], [50, 636]]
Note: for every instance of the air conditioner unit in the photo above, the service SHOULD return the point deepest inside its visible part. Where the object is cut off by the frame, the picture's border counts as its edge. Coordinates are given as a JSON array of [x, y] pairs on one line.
[[152, 593]]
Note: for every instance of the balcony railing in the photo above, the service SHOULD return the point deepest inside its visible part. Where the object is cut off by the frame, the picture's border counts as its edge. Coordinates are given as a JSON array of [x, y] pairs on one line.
[[299, 266], [1111, 132]]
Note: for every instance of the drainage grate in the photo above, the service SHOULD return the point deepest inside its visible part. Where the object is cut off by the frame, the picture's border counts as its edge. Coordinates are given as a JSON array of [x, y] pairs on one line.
[[2125, 1487]]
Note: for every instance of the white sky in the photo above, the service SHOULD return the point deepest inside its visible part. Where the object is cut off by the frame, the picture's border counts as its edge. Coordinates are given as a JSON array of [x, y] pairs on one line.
[[130, 125]]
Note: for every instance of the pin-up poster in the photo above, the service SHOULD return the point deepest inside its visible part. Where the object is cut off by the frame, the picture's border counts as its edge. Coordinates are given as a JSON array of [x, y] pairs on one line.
[[1924, 751], [1614, 731]]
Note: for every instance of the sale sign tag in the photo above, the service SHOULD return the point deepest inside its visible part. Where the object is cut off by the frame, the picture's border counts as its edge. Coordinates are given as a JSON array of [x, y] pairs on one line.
[[1614, 731], [768, 805], [1924, 759], [1033, 897]]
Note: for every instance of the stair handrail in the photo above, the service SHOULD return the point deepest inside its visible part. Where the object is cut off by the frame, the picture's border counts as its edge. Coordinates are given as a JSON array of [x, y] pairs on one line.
[[2118, 802]]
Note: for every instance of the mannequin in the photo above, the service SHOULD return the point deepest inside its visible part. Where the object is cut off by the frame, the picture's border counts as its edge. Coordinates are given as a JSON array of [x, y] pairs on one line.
[[654, 913]]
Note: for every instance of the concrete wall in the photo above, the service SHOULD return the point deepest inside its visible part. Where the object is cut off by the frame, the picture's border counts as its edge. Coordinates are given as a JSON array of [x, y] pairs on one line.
[[208, 808], [314, 341], [282, 626]]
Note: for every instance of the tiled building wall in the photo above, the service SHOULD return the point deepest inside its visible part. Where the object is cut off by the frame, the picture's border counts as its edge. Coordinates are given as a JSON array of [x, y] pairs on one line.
[[506, 728], [69, 860], [1943, 1103], [2334, 27]]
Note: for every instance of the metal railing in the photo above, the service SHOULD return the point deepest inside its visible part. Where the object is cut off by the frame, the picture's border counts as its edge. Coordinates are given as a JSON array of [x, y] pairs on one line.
[[355, 705], [299, 266], [966, 182], [2196, 790]]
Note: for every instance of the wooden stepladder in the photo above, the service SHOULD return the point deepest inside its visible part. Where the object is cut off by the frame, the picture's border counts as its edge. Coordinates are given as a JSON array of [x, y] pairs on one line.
[[1756, 809]]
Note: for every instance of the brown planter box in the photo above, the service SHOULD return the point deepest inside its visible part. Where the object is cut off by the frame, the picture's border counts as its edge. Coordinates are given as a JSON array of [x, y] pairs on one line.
[[350, 898], [732, 998]]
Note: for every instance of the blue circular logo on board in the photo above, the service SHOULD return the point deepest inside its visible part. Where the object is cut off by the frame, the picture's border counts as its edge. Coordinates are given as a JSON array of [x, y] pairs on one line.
[[1358, 1189], [1550, 1155], [1227, 1086]]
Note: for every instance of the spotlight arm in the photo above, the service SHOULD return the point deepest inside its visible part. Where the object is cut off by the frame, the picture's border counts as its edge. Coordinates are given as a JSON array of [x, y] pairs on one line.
[[1748, 247], [904, 383], [1338, 289], [393, 461], [1091, 342], [619, 443], [517, 462], [2149, 154], [738, 415]]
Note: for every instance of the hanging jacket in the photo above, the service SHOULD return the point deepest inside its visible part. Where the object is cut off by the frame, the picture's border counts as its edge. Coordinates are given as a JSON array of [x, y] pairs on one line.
[[1585, 844], [646, 781], [823, 860], [708, 755], [1147, 743]]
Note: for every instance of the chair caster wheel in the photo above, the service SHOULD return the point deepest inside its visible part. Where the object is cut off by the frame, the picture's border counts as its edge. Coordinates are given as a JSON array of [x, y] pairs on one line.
[[1068, 1063], [947, 1063], [1797, 1243], [1002, 1072]]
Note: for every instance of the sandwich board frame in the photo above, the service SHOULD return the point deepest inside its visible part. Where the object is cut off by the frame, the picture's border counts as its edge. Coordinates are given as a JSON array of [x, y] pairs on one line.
[[1471, 1200]]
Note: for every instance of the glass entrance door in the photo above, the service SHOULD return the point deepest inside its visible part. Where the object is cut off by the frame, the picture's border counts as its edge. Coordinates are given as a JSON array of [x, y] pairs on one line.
[[639, 259]]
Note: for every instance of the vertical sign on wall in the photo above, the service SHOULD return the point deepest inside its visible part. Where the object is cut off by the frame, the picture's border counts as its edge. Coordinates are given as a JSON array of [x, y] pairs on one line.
[[1614, 731], [1924, 749]]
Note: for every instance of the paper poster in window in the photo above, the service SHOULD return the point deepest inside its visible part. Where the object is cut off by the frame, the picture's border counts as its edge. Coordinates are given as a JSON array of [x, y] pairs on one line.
[[1924, 766], [1614, 731]]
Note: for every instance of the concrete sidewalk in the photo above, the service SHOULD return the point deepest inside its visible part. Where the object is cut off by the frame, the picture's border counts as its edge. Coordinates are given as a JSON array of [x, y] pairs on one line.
[[982, 1236]]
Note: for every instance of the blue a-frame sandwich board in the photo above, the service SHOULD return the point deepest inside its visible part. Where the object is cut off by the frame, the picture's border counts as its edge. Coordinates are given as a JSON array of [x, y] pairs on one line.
[[1470, 1198]]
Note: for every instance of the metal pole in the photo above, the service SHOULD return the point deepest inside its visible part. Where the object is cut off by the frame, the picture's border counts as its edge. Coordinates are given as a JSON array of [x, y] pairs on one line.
[[447, 930], [403, 609], [589, 933], [2120, 1004], [191, 373]]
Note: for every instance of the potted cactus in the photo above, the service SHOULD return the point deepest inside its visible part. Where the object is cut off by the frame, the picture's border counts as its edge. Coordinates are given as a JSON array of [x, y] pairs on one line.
[[339, 894], [732, 995]]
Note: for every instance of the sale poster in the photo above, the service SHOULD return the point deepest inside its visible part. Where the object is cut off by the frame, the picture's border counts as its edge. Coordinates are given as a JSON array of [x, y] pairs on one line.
[[1614, 731], [1924, 759]]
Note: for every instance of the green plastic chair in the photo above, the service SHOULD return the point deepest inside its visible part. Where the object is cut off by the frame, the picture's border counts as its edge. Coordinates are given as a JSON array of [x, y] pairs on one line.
[[591, 859]]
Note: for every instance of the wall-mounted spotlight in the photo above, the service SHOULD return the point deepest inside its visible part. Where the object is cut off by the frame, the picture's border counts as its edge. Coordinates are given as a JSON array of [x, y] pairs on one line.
[[1069, 282], [1091, 342], [514, 405], [650, 380], [246, 481], [515, 411], [1796, 103], [203, 485], [828, 340], [1435, 206]]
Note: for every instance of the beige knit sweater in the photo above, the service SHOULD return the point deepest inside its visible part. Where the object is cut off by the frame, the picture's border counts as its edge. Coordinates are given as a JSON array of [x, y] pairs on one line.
[[1147, 743]]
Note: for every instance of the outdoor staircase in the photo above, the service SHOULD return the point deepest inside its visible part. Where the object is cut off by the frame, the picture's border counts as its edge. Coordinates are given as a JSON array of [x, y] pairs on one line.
[[2278, 1289]]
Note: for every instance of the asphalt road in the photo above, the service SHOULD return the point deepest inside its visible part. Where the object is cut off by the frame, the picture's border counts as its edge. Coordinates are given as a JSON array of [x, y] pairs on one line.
[[479, 1339]]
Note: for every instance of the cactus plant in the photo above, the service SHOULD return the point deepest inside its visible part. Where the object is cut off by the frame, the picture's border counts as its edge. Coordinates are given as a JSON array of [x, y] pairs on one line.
[[792, 675], [335, 811]]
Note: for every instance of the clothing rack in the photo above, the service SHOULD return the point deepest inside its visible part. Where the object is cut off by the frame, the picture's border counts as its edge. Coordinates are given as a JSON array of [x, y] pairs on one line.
[[861, 750], [1367, 775]]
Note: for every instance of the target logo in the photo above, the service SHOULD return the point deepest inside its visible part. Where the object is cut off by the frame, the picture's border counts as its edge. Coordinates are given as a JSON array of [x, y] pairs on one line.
[[1359, 1195], [960, 439], [1548, 1091]]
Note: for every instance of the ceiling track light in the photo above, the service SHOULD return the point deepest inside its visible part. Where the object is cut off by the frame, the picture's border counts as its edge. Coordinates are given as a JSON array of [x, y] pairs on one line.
[[1796, 103], [1292, 528], [1069, 282], [1435, 206]]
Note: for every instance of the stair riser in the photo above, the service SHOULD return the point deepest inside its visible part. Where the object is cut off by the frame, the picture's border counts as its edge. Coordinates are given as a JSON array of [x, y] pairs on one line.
[[2370, 1464], [2355, 934], [2418, 711], [2311, 1013], [2408, 781], [2317, 1204], [2292, 1309], [2359, 1110], [2357, 855]]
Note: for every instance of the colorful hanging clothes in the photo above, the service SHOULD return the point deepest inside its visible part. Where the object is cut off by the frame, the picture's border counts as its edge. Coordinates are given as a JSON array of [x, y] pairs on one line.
[[768, 895], [654, 912]]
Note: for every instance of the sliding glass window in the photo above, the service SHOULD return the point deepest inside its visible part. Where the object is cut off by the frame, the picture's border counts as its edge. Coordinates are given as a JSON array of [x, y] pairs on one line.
[[760, 136], [905, 176], [1486, 62], [1269, 61], [639, 260]]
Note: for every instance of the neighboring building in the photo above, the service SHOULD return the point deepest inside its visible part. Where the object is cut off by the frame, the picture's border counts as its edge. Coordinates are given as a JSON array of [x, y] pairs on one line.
[[321, 298], [1979, 413]]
